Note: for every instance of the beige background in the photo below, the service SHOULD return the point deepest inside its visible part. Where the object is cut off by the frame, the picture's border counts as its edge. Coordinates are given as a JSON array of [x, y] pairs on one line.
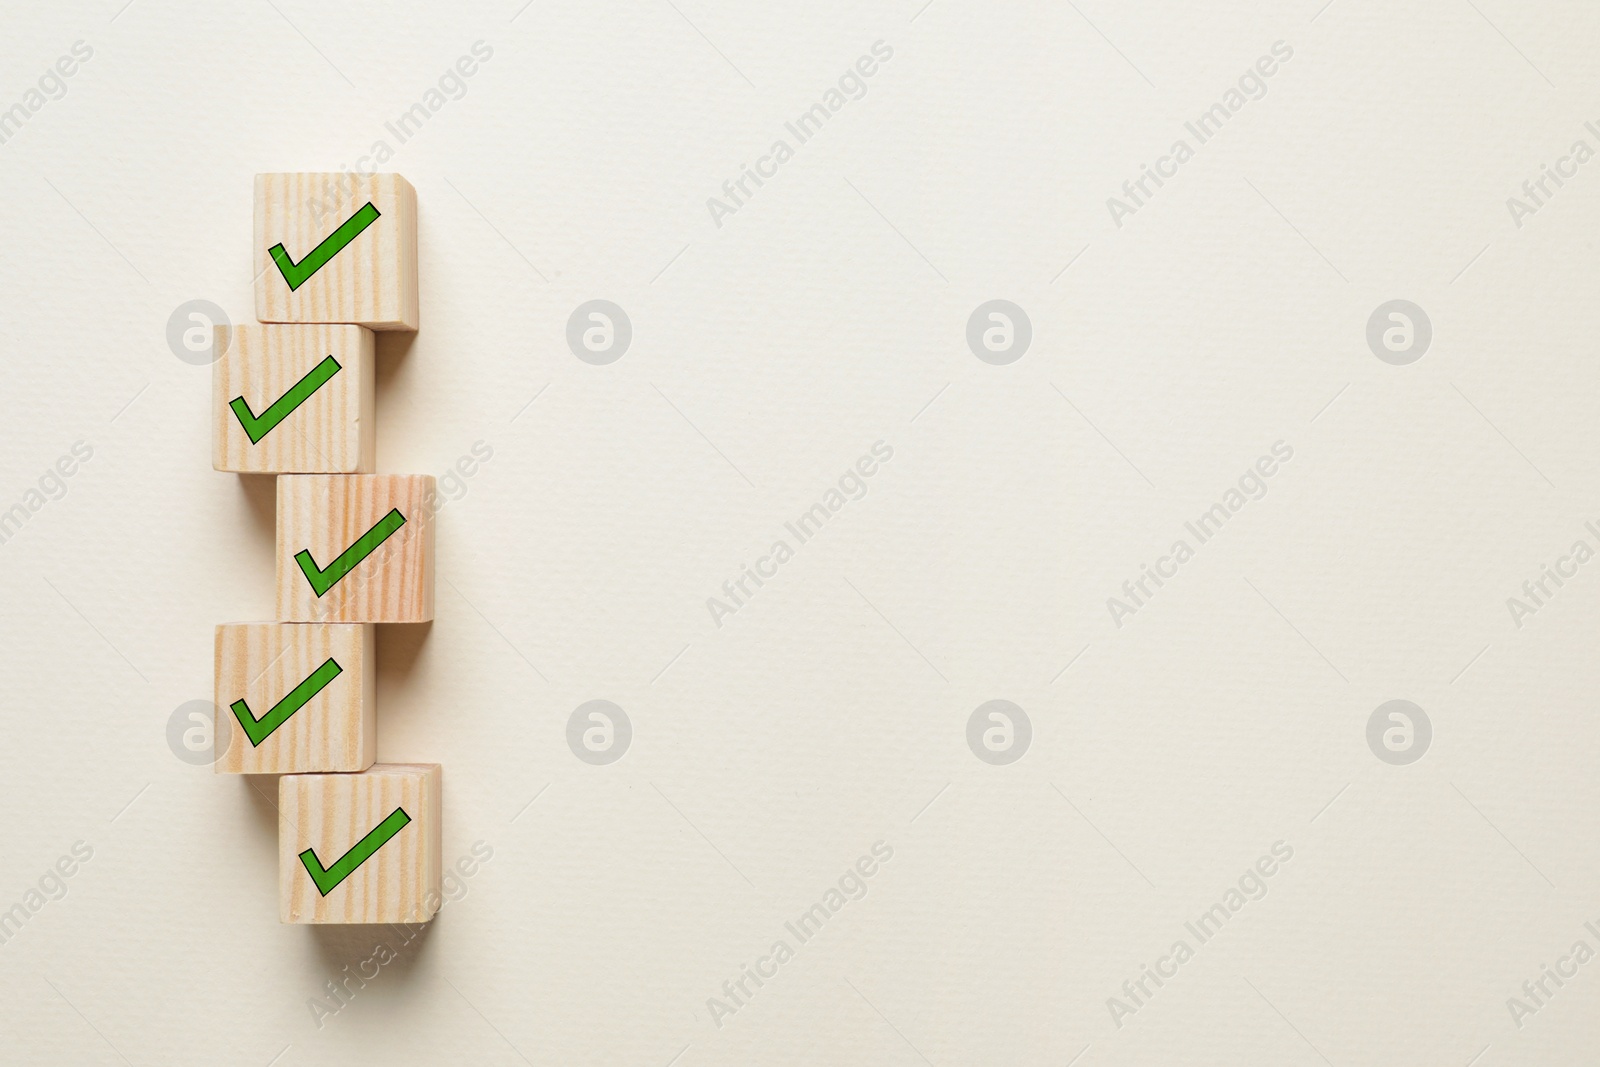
[[829, 713]]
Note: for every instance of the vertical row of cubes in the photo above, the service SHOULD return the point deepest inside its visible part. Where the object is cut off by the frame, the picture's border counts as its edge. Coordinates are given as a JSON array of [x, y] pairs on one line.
[[293, 397]]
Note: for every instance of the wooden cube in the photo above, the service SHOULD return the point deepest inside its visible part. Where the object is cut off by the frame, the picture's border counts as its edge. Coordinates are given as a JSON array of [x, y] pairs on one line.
[[336, 248], [293, 399], [360, 848], [356, 547], [295, 697]]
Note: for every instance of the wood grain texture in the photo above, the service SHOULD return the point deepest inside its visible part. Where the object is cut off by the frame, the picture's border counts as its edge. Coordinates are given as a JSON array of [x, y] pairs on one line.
[[334, 431], [262, 662], [331, 813], [327, 513], [371, 282]]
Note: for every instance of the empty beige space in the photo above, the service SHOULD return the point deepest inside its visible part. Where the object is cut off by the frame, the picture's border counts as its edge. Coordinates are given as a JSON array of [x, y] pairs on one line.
[[668, 739]]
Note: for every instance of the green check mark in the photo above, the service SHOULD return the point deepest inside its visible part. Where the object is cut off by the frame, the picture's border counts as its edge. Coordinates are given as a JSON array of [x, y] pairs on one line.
[[324, 579], [297, 274], [328, 878], [258, 426], [258, 730]]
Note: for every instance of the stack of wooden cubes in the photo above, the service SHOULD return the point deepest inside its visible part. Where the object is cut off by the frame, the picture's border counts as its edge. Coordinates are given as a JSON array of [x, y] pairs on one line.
[[358, 841]]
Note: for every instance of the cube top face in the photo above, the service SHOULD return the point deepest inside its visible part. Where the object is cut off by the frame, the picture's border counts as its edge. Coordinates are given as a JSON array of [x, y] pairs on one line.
[[336, 248], [308, 693], [293, 399], [360, 848], [355, 548]]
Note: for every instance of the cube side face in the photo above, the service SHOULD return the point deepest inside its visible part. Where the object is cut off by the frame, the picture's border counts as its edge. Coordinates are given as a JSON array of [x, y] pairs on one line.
[[369, 696], [330, 430], [331, 814], [370, 281], [338, 521], [334, 729]]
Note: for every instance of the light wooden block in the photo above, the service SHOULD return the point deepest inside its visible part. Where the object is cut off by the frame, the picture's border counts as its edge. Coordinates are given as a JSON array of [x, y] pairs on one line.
[[263, 663], [326, 514], [333, 431], [331, 814], [372, 281]]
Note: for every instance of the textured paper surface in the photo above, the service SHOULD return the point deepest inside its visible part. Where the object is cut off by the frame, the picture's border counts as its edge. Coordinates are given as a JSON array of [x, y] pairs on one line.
[[607, 502]]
